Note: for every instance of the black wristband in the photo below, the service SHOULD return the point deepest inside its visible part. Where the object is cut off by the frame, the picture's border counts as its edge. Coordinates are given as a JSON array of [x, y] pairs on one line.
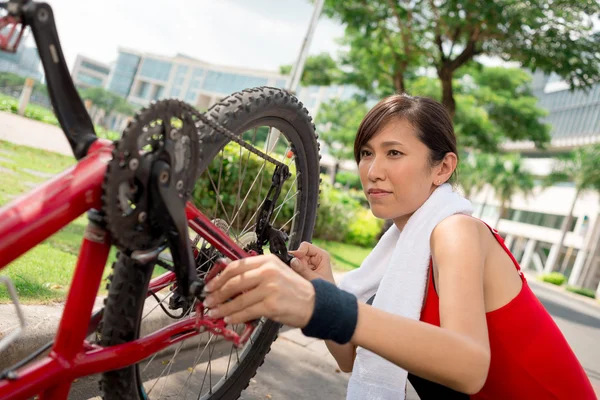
[[335, 313]]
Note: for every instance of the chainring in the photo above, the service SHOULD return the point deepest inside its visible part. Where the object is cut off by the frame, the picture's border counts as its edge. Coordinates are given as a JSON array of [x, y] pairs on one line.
[[166, 130]]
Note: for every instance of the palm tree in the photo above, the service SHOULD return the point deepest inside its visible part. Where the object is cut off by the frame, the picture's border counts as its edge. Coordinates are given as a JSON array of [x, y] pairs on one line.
[[510, 178], [475, 173], [581, 167], [472, 174]]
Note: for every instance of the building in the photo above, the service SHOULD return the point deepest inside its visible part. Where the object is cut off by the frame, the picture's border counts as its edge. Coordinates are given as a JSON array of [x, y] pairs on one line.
[[25, 62], [87, 72], [532, 227], [144, 77]]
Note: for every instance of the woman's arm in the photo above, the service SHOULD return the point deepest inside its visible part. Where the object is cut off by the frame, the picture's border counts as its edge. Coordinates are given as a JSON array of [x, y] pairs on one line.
[[456, 355], [343, 353]]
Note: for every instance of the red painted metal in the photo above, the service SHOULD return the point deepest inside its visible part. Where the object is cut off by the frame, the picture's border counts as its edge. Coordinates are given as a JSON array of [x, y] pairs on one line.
[[53, 369], [161, 281], [30, 219], [203, 226]]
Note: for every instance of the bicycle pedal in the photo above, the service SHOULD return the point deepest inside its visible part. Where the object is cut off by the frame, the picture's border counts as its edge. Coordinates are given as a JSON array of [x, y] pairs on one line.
[[12, 336]]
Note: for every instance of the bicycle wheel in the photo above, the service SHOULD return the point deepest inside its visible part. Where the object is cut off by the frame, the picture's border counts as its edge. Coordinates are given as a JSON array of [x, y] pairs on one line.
[[230, 190]]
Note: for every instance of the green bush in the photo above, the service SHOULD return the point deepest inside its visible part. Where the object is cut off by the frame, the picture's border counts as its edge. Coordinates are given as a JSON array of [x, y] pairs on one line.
[[348, 179], [556, 278], [232, 192], [337, 210], [363, 229], [582, 291]]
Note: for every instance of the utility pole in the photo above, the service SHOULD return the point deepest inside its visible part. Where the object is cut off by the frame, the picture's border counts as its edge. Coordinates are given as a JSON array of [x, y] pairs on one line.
[[298, 67]]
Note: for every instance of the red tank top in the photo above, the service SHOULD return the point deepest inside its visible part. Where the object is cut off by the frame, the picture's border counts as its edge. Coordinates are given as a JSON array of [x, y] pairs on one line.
[[530, 358]]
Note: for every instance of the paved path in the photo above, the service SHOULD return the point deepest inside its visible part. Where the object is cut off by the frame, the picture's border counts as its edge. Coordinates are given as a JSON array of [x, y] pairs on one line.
[[28, 132]]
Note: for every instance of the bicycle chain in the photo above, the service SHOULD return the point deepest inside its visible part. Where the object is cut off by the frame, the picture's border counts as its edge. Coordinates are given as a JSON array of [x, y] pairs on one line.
[[226, 132], [128, 232]]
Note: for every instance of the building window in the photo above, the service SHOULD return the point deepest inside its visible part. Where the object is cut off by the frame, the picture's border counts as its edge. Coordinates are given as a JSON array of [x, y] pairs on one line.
[[88, 79], [226, 83], [552, 221], [158, 92], [156, 69], [94, 67], [123, 73], [142, 90]]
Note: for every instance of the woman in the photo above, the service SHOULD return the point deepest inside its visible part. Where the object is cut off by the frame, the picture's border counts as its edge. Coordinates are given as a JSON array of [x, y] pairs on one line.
[[450, 306]]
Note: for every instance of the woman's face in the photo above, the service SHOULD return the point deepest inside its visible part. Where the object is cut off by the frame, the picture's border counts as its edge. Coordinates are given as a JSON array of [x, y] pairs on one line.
[[395, 172]]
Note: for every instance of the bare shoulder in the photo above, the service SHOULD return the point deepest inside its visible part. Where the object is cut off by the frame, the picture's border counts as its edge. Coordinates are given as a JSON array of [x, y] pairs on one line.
[[459, 236]]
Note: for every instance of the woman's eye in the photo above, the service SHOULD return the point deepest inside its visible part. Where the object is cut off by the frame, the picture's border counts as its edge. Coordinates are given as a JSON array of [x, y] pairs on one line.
[[395, 153], [365, 153]]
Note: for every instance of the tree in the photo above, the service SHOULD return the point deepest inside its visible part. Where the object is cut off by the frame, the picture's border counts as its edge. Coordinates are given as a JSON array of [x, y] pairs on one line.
[[107, 101], [390, 40], [510, 178], [495, 104], [474, 173], [582, 167], [340, 120], [319, 70]]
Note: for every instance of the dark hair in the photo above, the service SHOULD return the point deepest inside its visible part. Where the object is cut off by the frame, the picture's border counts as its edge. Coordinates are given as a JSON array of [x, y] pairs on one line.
[[429, 118]]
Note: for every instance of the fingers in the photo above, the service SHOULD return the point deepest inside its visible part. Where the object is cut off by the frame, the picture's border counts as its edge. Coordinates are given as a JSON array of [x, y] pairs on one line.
[[302, 268], [238, 304], [251, 313], [304, 250], [236, 268], [247, 280]]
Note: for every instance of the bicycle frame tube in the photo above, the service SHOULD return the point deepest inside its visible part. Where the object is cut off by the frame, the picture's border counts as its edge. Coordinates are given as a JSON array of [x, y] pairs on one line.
[[30, 219]]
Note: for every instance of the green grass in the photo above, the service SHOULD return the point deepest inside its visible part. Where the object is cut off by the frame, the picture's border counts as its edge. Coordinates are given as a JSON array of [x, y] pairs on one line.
[[344, 257], [44, 273]]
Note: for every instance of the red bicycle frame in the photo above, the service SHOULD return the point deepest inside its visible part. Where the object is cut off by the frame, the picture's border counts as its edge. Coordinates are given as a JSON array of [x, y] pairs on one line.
[[30, 219]]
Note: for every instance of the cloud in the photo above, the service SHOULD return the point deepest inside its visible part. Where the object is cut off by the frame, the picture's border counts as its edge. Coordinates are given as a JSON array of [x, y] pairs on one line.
[[261, 34]]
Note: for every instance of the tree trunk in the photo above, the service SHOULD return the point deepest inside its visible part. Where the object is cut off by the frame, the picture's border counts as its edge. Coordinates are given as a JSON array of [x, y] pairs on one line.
[[563, 231], [565, 262], [484, 205], [501, 214], [336, 169], [399, 81], [593, 247], [445, 74]]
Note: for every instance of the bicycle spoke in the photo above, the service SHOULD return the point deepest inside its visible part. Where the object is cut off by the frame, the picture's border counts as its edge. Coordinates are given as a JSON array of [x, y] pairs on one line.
[[289, 220], [193, 367], [218, 190], [158, 303], [285, 200], [219, 201], [237, 198], [248, 194], [206, 372], [171, 361]]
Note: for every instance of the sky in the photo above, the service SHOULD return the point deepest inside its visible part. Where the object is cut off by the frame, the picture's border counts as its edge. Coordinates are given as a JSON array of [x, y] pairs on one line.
[[260, 34]]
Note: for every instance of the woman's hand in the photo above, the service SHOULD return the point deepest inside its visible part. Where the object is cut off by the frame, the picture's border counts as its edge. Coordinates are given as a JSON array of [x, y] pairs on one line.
[[261, 286], [312, 262]]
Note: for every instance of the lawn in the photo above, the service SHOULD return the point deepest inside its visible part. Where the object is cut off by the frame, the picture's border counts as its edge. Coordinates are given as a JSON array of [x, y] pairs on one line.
[[44, 273], [344, 257]]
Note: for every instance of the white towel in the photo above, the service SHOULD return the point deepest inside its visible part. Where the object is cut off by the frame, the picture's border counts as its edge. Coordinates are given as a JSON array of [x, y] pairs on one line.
[[397, 271]]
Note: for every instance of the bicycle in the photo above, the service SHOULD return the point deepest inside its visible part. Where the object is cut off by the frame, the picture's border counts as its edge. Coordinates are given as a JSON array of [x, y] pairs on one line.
[[147, 194]]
